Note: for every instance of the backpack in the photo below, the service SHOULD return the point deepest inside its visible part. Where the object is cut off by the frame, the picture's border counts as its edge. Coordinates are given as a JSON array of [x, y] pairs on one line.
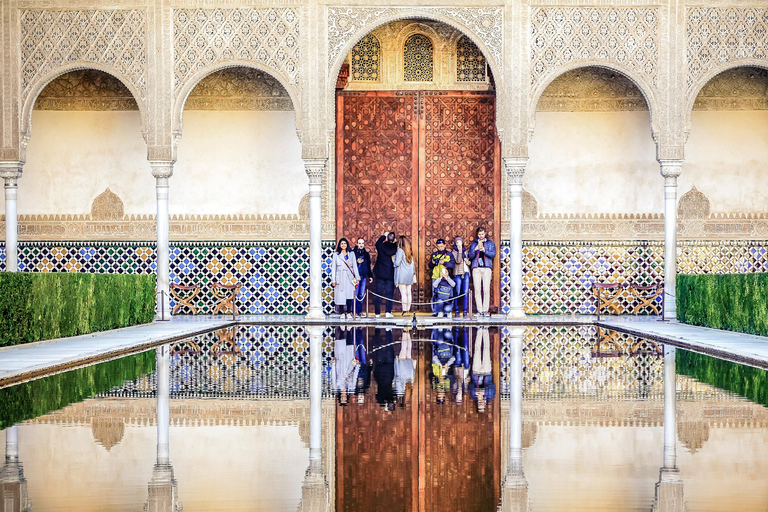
[[444, 291]]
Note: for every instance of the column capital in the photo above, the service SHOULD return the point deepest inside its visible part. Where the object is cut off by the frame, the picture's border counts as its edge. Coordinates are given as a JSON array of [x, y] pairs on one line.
[[315, 169], [671, 170], [162, 168], [515, 169], [11, 170]]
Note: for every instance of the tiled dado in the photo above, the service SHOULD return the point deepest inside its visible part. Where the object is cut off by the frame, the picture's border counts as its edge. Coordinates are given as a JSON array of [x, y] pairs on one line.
[[274, 275], [558, 276]]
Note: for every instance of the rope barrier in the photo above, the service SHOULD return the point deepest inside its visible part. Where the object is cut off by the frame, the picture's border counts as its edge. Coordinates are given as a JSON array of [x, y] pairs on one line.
[[413, 303]]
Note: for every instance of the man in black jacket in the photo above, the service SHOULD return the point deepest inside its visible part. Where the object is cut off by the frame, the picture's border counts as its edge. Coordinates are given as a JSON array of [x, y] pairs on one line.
[[384, 273]]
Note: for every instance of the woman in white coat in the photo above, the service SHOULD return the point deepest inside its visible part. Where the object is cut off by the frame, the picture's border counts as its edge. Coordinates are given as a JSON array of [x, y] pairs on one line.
[[344, 277], [404, 272]]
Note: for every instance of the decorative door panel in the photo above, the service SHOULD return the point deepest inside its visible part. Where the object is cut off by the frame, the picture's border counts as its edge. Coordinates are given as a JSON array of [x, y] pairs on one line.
[[459, 168], [424, 164], [376, 162]]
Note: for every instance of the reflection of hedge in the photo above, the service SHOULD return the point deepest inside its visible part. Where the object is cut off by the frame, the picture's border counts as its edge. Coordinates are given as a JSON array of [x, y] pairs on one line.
[[736, 302], [743, 380], [33, 399], [41, 306]]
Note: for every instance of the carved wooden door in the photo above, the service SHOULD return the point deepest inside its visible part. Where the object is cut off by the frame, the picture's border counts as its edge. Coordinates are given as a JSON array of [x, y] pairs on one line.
[[423, 164]]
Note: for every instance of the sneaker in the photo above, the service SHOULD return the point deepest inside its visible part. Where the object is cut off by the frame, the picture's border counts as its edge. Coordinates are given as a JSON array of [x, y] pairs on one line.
[[377, 315], [434, 314], [464, 314], [389, 315], [449, 315], [440, 315]]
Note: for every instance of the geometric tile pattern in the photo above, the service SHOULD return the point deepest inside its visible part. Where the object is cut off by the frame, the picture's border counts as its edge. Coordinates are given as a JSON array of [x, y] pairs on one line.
[[274, 275], [564, 362], [204, 36], [558, 276], [243, 362], [113, 37], [628, 37], [719, 35]]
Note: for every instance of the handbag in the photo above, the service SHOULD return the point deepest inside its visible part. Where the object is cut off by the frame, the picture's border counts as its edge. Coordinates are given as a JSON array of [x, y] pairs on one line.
[[354, 281]]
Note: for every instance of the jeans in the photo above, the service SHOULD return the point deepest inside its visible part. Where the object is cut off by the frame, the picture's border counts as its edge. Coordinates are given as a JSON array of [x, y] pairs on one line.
[[462, 286], [441, 307], [360, 294], [385, 289]]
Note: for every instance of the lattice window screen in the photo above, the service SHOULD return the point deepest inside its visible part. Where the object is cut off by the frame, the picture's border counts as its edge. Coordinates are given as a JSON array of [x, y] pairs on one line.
[[470, 63], [418, 59], [366, 56]]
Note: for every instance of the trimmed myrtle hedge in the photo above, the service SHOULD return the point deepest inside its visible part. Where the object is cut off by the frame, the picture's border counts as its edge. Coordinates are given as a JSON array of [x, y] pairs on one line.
[[42, 306], [751, 383], [33, 399], [735, 302]]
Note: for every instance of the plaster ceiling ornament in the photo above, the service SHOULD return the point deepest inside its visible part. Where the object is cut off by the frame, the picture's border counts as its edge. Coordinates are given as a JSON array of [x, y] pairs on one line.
[[530, 206], [86, 89], [743, 88], [485, 23], [107, 206], [719, 35], [111, 37], [693, 205], [239, 88], [202, 37], [626, 37], [591, 89]]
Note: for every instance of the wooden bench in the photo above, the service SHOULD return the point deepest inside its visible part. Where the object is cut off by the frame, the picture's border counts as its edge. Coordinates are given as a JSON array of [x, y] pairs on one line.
[[609, 294], [176, 293]]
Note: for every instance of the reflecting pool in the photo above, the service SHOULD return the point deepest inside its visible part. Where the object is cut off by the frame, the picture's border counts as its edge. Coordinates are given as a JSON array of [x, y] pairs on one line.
[[453, 418]]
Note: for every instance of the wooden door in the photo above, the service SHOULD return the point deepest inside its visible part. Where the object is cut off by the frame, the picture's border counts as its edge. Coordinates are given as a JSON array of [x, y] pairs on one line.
[[423, 164]]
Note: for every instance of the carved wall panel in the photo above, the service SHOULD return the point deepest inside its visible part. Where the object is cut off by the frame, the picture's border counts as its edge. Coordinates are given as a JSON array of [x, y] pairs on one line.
[[86, 89], [239, 89], [715, 36], [202, 37], [485, 24], [111, 37], [625, 37], [736, 89], [591, 89]]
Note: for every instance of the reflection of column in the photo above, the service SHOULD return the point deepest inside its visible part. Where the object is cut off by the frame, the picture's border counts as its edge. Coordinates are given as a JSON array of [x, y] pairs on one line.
[[315, 171], [315, 392], [314, 491], [669, 489], [13, 485], [515, 168], [670, 169], [162, 171], [163, 490], [11, 172], [514, 492]]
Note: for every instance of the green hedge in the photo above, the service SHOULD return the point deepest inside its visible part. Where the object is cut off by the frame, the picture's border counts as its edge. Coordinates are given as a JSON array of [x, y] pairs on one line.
[[735, 302], [41, 306], [746, 381], [33, 399]]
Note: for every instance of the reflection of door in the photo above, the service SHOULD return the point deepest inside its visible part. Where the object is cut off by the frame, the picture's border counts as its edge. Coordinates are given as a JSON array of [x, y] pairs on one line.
[[424, 164]]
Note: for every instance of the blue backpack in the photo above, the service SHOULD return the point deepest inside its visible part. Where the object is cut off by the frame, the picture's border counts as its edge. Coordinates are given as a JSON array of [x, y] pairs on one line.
[[444, 291]]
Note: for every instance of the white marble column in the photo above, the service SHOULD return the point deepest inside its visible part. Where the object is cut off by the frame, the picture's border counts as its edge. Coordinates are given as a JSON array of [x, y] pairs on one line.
[[514, 491], [11, 172], [515, 168], [163, 355], [162, 171], [12, 444], [670, 412], [315, 394], [670, 170], [315, 171]]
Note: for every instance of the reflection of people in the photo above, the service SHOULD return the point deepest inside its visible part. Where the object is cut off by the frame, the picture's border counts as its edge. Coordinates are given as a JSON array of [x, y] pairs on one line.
[[363, 259], [404, 276], [461, 364], [383, 356], [384, 272], [481, 253], [345, 366], [481, 386], [344, 277], [404, 367], [442, 361]]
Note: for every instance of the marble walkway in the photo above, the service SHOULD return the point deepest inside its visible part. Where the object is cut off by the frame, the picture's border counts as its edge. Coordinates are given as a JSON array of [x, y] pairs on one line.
[[29, 361]]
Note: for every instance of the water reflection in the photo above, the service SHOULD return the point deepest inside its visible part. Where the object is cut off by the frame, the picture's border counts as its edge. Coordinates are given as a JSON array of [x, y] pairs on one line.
[[13, 485], [514, 492]]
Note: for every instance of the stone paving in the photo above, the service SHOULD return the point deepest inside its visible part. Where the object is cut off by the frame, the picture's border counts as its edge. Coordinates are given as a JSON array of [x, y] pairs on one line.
[[32, 360]]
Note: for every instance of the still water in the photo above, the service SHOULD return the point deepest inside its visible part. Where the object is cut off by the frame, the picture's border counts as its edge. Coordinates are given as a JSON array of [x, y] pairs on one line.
[[459, 419]]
